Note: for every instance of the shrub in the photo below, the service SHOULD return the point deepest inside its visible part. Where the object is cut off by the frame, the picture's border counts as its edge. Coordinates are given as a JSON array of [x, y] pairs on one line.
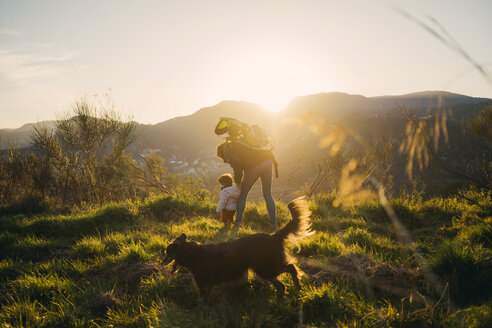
[[468, 270], [30, 204], [480, 233], [174, 206], [116, 213]]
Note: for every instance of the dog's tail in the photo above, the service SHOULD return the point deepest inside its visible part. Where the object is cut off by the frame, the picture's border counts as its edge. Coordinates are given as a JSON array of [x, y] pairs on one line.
[[299, 226]]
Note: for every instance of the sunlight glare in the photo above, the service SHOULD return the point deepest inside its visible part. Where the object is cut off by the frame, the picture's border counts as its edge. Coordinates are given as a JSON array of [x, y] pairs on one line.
[[271, 78]]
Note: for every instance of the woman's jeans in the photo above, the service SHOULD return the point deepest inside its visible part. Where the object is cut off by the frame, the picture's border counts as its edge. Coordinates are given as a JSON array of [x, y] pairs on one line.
[[263, 171]]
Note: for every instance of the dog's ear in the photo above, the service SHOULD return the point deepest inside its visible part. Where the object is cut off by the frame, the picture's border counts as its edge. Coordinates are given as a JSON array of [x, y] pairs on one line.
[[182, 237]]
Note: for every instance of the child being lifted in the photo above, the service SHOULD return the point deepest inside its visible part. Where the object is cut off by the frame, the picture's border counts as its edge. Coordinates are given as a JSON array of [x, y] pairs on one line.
[[228, 198]]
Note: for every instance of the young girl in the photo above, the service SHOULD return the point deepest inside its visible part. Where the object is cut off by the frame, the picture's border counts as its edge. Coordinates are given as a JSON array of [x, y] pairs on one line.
[[249, 165], [228, 198]]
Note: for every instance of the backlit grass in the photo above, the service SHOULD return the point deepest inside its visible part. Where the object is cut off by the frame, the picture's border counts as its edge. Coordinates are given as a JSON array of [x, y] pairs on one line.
[[100, 267]]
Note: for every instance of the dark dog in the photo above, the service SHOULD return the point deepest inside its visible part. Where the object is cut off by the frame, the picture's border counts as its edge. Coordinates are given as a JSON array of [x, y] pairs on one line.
[[264, 253]]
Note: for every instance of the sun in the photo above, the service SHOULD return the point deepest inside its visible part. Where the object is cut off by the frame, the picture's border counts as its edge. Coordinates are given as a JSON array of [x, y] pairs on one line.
[[273, 103], [270, 81], [271, 75]]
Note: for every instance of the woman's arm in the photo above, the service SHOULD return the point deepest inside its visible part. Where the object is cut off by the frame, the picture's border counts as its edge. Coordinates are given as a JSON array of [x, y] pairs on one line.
[[238, 173]]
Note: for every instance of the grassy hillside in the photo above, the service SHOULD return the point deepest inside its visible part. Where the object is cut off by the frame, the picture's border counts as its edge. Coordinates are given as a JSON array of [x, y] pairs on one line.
[[100, 268]]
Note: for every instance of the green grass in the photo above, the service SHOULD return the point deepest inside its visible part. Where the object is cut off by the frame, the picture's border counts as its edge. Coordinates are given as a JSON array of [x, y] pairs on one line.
[[100, 267], [468, 269]]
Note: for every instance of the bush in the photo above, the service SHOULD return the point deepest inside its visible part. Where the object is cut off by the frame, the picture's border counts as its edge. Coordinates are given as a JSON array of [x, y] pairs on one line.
[[468, 269], [174, 206], [30, 204]]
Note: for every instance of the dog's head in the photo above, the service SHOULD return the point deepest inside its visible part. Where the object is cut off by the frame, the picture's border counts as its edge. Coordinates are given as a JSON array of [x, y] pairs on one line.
[[174, 252]]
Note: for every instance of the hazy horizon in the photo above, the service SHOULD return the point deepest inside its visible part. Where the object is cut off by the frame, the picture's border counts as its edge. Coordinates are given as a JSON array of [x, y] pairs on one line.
[[166, 59], [68, 112]]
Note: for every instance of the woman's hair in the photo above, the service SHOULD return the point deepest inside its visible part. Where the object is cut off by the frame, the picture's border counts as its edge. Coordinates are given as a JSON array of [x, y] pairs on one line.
[[225, 180], [221, 149]]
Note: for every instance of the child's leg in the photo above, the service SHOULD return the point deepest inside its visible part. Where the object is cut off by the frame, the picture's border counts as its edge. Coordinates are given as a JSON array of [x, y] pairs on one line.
[[227, 216], [223, 216], [231, 218]]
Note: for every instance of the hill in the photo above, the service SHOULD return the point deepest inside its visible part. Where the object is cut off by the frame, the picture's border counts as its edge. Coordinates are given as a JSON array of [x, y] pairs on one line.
[[188, 143], [101, 267], [188, 138], [339, 104], [20, 136], [335, 104]]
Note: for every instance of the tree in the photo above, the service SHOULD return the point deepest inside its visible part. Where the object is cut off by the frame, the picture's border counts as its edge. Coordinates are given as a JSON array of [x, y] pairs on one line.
[[79, 144]]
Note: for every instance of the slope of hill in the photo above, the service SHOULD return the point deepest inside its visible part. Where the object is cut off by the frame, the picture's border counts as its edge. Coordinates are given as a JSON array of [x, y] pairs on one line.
[[335, 104], [101, 268], [20, 137], [431, 99], [188, 136], [338, 104]]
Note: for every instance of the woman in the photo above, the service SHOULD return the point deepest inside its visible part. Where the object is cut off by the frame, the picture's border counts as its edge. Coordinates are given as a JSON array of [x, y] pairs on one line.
[[249, 165]]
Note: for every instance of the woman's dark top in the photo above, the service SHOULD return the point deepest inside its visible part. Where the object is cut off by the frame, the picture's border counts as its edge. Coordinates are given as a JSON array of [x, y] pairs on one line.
[[242, 158]]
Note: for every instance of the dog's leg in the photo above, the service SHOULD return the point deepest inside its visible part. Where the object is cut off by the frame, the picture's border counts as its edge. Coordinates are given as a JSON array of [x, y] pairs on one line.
[[292, 270], [279, 286]]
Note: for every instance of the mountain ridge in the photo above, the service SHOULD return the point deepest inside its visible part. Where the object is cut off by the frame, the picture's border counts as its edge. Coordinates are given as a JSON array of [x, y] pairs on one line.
[[331, 104]]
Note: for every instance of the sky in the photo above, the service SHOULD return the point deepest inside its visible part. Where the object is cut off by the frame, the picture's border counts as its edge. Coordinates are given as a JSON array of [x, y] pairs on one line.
[[162, 59]]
